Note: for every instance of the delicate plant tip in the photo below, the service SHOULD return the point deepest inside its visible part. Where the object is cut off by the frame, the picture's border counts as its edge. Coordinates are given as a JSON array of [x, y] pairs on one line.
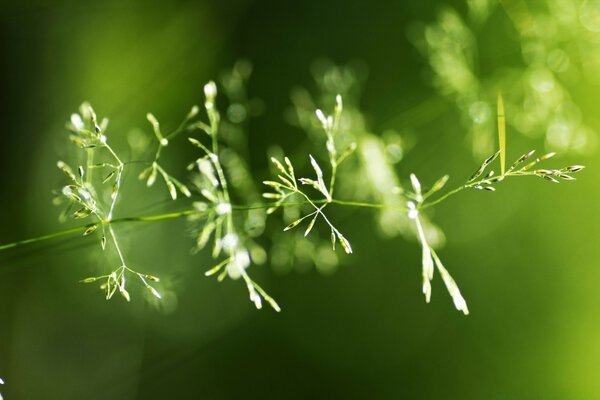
[[459, 302], [566, 177], [212, 271], [415, 184], [77, 122], [523, 158], [281, 168], [82, 213], [194, 142], [451, 286], [320, 182], [440, 183], [257, 301], [544, 172], [90, 229], [272, 184], [152, 278], [290, 168], [66, 169], [272, 196], [547, 156], [103, 242], [184, 189], [491, 158], [333, 239], [254, 297], [110, 175], [345, 244], [209, 195], [273, 304], [152, 176], [427, 262], [172, 190], [152, 119], [278, 165], [89, 280], [193, 112], [125, 294], [311, 224], [427, 289], [222, 275], [551, 179], [111, 292], [210, 91], [321, 116], [483, 166], [339, 106], [575, 168], [292, 225], [154, 292], [80, 171]]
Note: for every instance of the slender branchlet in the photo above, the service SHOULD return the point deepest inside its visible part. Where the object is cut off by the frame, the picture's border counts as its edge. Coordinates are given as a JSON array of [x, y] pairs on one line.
[[150, 173]]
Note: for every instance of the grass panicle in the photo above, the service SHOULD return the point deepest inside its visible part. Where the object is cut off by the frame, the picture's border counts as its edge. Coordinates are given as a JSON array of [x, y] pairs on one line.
[[227, 215]]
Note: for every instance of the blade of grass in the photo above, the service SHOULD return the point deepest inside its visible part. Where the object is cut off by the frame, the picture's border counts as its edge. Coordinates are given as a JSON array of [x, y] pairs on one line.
[[502, 133]]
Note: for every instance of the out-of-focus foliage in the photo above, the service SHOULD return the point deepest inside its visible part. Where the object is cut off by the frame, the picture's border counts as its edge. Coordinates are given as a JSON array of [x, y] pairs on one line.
[[559, 43]]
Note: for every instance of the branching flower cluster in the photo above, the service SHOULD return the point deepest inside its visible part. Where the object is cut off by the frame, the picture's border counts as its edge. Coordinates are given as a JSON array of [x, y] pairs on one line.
[[287, 187], [102, 167], [216, 212]]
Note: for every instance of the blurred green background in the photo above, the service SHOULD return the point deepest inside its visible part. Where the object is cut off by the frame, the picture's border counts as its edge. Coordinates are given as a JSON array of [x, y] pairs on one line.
[[525, 257]]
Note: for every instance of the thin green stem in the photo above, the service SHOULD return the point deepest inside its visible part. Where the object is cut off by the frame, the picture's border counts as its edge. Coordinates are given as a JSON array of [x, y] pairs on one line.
[[181, 128], [77, 229], [117, 247], [186, 213], [115, 194], [90, 162], [364, 204], [333, 174], [444, 197], [82, 228]]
